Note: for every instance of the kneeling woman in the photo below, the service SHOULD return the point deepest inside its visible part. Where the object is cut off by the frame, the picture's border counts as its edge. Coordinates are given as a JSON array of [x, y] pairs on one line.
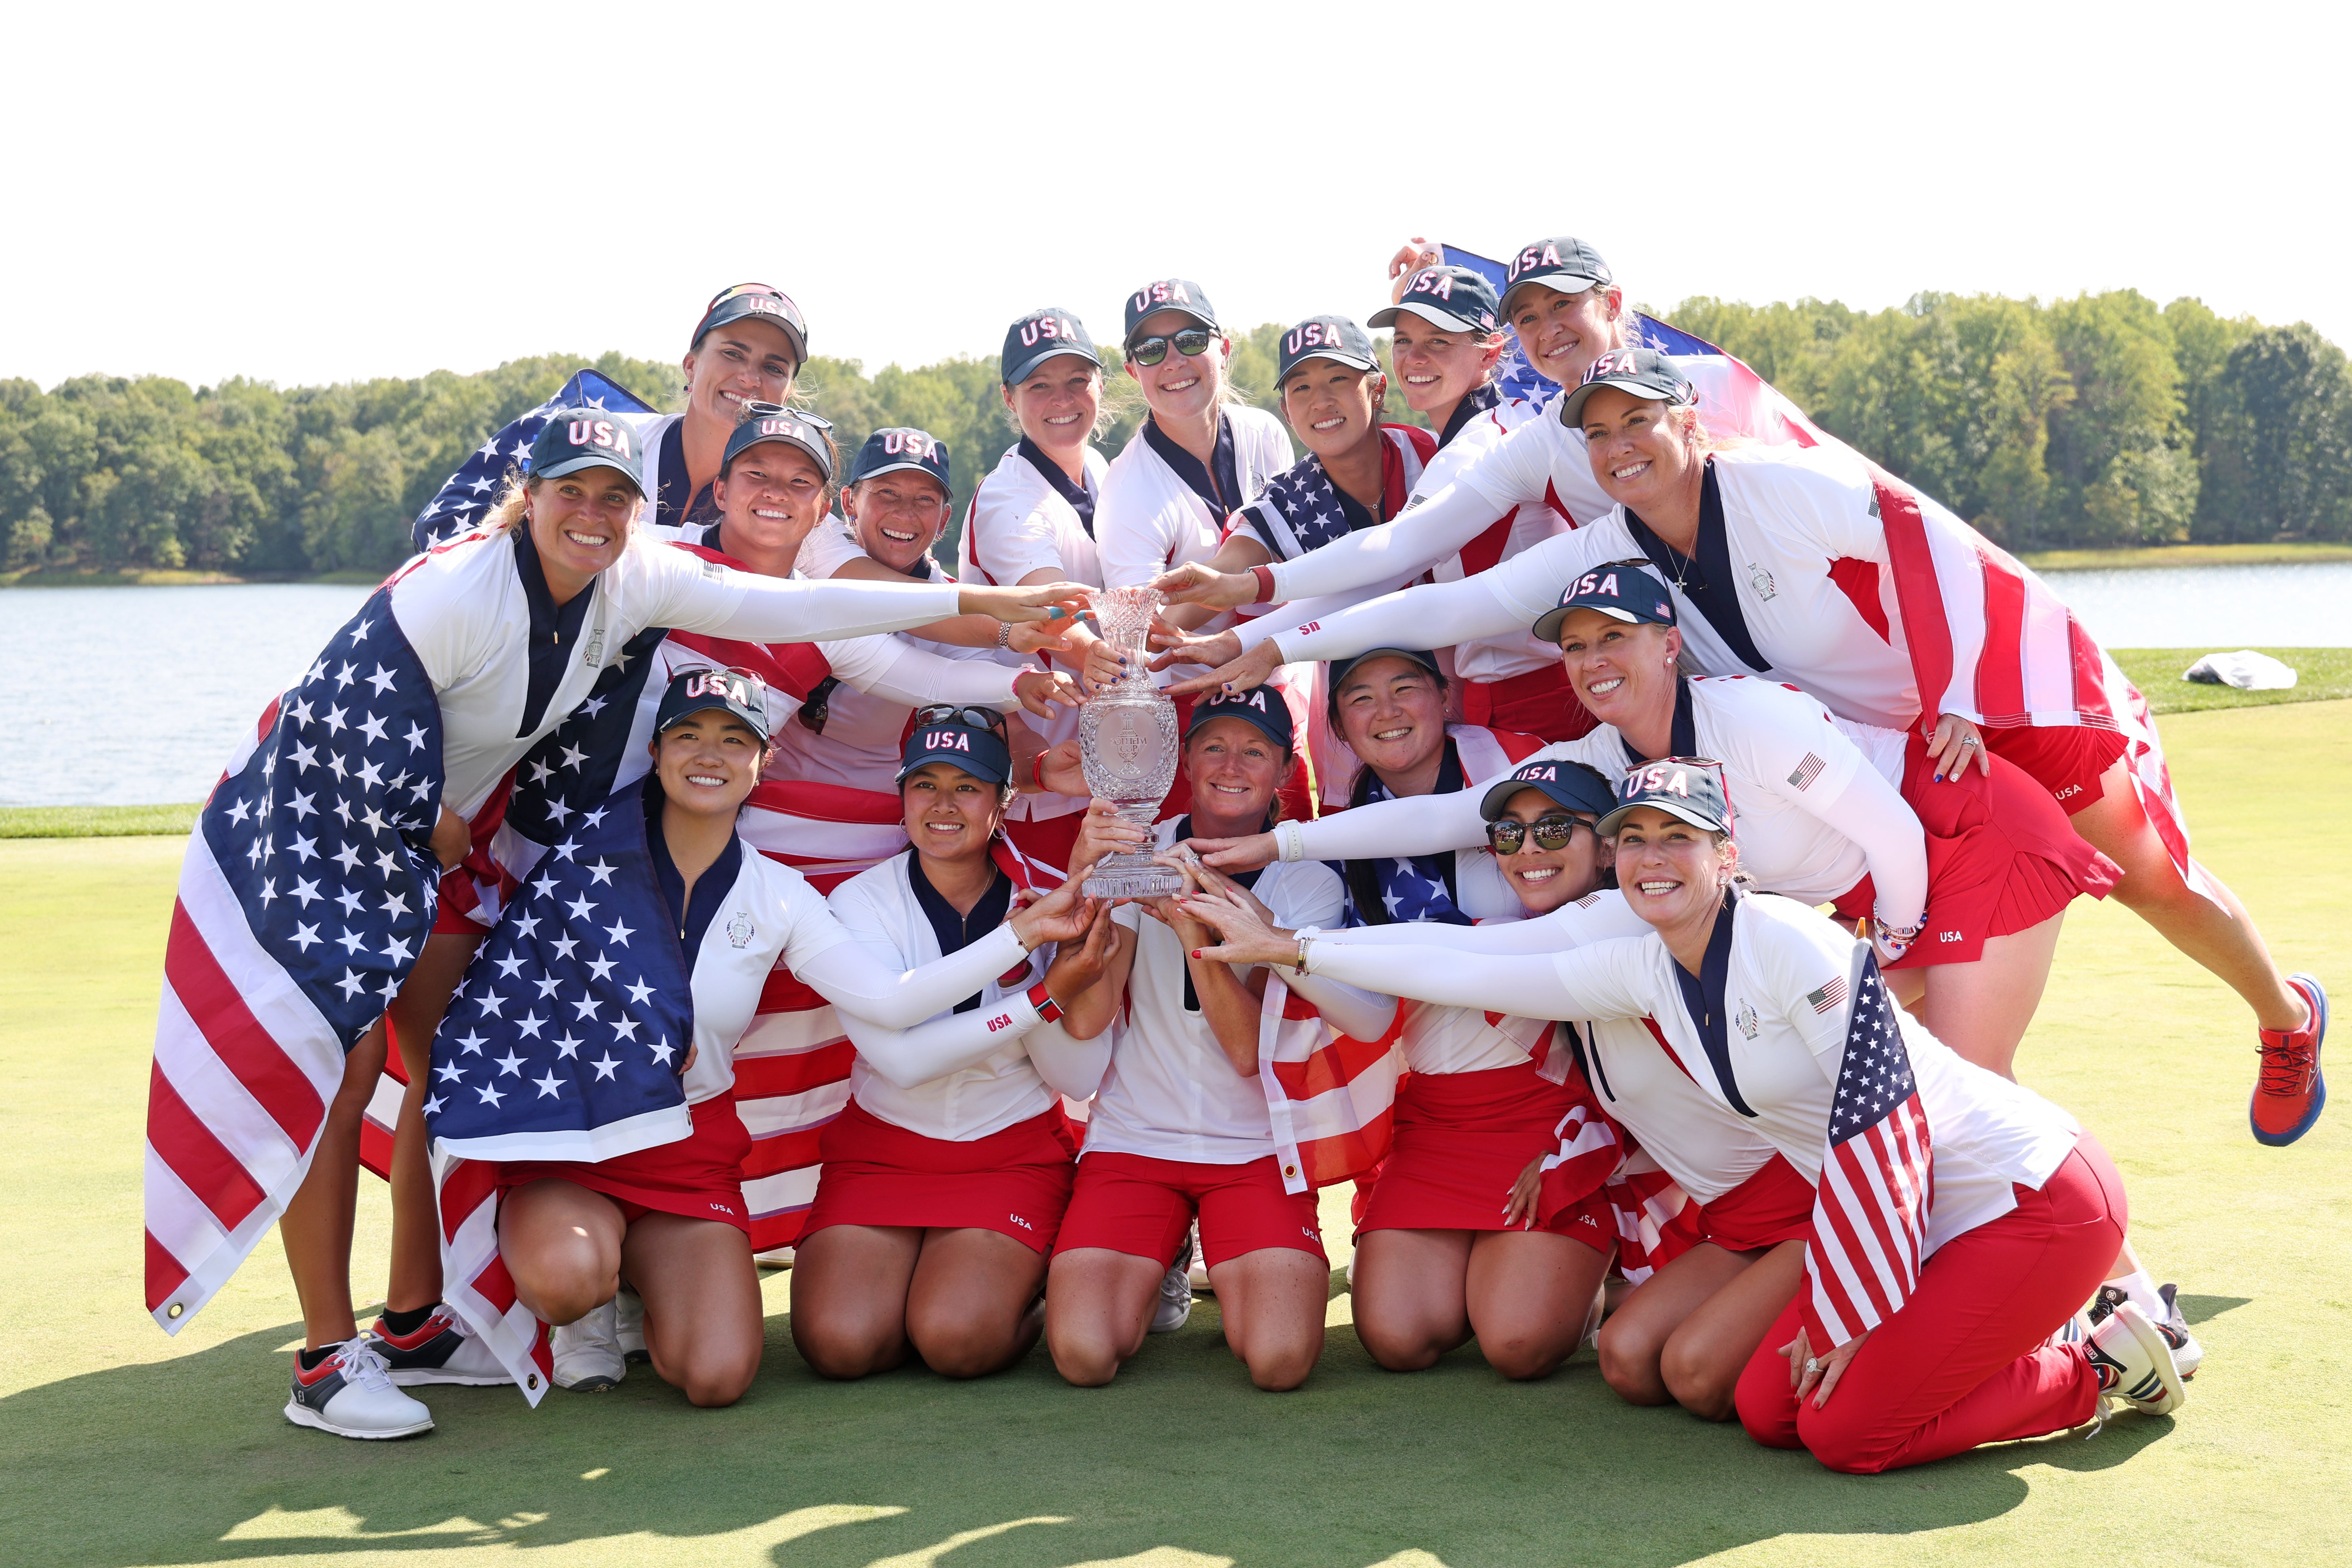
[[945, 1179], [1994, 1215], [1181, 1126], [671, 1218]]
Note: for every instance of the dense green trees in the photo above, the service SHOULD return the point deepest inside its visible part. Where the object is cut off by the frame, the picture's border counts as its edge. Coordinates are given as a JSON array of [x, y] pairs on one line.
[[2098, 420]]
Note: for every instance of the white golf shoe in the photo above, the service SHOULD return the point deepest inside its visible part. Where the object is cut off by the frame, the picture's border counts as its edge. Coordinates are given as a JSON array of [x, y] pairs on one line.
[[350, 1393], [587, 1354], [631, 1325], [441, 1349], [1174, 1308], [2134, 1362]]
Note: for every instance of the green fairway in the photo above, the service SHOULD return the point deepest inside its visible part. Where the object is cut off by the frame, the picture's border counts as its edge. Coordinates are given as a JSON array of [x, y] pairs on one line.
[[119, 1445]]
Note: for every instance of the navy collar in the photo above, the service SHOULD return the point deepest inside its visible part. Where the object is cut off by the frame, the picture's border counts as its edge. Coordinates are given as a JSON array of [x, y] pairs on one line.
[[1469, 408], [1682, 739], [691, 920], [554, 629], [1081, 499], [1247, 878], [957, 932], [677, 505], [1223, 493], [1706, 579], [1703, 999]]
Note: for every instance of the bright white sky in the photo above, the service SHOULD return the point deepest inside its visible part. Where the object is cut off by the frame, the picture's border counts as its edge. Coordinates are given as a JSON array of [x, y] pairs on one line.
[[326, 192]]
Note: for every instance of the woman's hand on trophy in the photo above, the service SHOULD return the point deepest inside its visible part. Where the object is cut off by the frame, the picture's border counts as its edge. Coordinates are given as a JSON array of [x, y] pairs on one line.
[[1179, 649], [1045, 602], [1245, 931], [1059, 916], [1104, 832], [1253, 668], [1097, 663], [1247, 853], [1215, 881], [1198, 583], [1039, 689]]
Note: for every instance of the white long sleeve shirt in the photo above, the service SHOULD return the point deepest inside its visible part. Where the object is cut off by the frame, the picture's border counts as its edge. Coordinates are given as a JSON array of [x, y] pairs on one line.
[[1149, 520], [464, 608]]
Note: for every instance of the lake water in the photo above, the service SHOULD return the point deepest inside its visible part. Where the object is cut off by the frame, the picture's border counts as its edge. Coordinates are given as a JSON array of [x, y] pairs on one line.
[[131, 696]]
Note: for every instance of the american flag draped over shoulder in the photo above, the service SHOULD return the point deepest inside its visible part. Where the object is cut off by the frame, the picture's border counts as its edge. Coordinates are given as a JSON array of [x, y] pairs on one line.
[[1871, 1207], [1656, 1222], [1987, 637], [469, 492], [1300, 509], [305, 895]]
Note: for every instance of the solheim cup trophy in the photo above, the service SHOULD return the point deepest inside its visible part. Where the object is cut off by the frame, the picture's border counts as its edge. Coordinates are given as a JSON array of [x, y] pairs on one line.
[[1126, 743]]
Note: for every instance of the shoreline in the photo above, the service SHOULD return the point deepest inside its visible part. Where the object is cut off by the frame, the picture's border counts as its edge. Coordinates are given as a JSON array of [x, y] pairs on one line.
[[2287, 552]]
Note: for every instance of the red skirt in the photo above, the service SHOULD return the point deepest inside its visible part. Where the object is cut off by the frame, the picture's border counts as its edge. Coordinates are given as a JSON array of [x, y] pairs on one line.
[[1774, 1206], [1016, 1183], [2001, 859], [1540, 703], [1462, 1139], [700, 1176], [2068, 760]]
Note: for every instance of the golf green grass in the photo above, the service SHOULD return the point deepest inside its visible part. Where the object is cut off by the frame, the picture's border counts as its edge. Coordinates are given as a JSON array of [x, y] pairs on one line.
[[119, 1445]]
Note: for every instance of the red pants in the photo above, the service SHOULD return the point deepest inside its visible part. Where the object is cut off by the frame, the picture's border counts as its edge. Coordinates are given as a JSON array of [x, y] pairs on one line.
[[1965, 1361]]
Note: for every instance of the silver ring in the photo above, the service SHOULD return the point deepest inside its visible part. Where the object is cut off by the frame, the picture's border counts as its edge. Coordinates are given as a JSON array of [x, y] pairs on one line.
[[1967, 739], [1812, 1365]]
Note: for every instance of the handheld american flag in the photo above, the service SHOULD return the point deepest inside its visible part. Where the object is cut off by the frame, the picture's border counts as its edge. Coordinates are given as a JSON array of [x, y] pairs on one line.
[[304, 900], [1877, 1184], [470, 492]]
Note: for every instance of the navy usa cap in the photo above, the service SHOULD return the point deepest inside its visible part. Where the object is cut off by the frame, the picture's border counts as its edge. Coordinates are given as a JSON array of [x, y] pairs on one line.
[[1039, 336], [898, 446], [976, 749], [1567, 784], [1169, 294], [770, 304], [1623, 590], [1454, 297], [739, 692], [764, 422], [577, 438], [1644, 372], [1688, 787], [1261, 705], [1562, 263], [1324, 337]]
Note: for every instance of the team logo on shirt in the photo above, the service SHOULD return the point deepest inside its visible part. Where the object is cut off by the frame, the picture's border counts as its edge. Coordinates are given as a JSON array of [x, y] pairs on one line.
[[739, 930], [1760, 579], [1746, 1019]]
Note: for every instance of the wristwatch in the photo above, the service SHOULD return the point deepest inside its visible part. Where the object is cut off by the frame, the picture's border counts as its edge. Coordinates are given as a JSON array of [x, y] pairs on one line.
[[1048, 1010]]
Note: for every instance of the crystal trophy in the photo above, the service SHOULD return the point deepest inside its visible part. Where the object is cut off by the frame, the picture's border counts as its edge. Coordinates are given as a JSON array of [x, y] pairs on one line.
[[1126, 744]]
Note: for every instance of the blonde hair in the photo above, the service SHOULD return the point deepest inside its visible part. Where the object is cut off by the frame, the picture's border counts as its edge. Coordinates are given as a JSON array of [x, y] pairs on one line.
[[512, 504]]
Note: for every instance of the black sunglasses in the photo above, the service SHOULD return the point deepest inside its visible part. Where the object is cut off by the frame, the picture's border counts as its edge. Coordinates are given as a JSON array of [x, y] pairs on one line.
[[949, 714], [1191, 342], [1505, 837]]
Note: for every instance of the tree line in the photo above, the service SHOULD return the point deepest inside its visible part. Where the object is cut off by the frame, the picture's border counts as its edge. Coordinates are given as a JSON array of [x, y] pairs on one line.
[[2095, 421]]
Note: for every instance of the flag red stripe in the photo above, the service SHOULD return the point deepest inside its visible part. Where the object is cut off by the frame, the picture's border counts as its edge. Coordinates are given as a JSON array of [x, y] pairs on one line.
[[495, 1284], [469, 1185], [236, 1036], [218, 1177], [1918, 594], [783, 993], [2001, 668], [1334, 1065], [1876, 1218], [1487, 550], [164, 1274], [781, 1229], [760, 1078], [783, 1151], [1846, 1241]]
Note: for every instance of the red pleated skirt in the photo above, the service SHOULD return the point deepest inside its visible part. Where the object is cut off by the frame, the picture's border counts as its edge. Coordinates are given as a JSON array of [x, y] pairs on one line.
[[1016, 1181]]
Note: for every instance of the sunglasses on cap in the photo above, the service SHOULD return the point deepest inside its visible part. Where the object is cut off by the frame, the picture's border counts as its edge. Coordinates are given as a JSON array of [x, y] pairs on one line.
[[1506, 835], [1190, 342], [756, 410], [950, 713]]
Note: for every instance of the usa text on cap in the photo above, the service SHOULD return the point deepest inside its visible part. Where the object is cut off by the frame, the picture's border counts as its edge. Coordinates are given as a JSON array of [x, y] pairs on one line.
[[770, 304], [577, 438], [1454, 297], [1169, 294], [1688, 787], [1621, 590], [1039, 336], [888, 451], [1324, 337], [1262, 706], [1563, 263], [980, 752], [1644, 372], [772, 422], [738, 691], [1571, 784]]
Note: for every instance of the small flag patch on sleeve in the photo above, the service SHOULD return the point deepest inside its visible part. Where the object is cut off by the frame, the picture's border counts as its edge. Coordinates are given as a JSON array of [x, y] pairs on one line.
[[1807, 772], [1828, 996]]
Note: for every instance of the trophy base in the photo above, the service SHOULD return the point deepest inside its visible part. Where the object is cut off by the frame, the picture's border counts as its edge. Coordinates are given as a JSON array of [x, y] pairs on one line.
[[1133, 877]]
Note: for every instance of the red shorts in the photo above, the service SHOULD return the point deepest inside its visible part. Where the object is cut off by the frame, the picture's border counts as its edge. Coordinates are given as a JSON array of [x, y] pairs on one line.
[[700, 1176], [1016, 1183], [1774, 1206], [2001, 858], [469, 902], [1540, 703], [2067, 760], [1141, 1206], [1462, 1139]]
